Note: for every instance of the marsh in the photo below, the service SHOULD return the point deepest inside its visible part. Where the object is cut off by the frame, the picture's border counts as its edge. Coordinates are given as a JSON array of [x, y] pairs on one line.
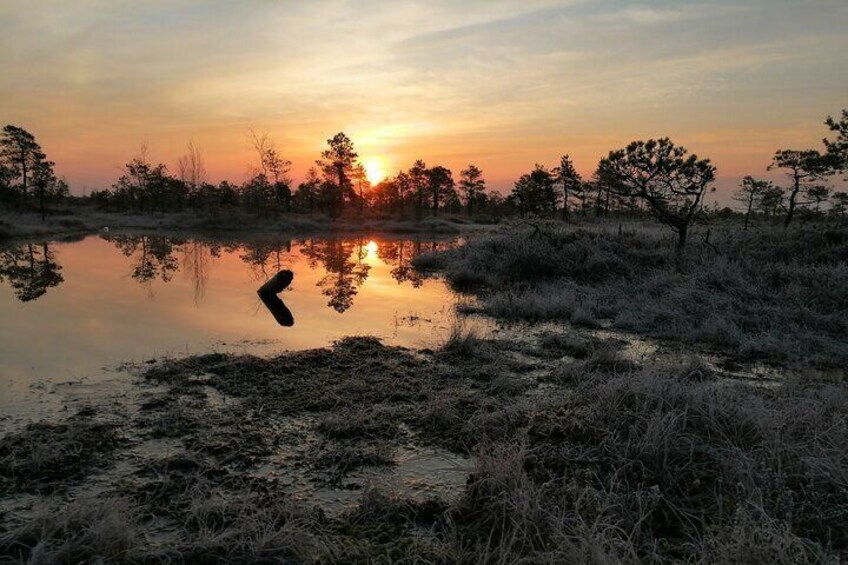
[[74, 310]]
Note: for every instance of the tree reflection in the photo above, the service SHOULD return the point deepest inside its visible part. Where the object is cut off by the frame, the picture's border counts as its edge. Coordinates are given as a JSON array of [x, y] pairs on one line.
[[399, 255], [265, 257], [152, 257], [198, 257], [346, 271], [30, 269]]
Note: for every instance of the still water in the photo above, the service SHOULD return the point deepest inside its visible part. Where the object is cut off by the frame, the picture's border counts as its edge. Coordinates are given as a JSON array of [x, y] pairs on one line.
[[70, 312]]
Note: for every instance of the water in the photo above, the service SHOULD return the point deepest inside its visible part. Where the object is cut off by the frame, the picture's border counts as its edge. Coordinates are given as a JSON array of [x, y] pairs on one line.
[[73, 311]]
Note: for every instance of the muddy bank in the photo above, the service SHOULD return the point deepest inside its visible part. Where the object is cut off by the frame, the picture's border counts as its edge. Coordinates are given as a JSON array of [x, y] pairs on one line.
[[564, 445]]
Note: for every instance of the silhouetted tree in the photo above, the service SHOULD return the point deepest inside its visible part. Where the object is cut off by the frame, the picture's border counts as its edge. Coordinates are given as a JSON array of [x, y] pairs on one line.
[[440, 183], [360, 178], [308, 192], [275, 190], [191, 170], [804, 169], [840, 206], [473, 187], [749, 194], [405, 188], [43, 180], [661, 174], [534, 192], [20, 152], [771, 200], [818, 193], [837, 149], [419, 181], [336, 163], [569, 181]]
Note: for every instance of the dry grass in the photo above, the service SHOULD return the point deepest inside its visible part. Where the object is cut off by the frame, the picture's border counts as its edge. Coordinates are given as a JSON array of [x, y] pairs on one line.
[[45, 456], [771, 295]]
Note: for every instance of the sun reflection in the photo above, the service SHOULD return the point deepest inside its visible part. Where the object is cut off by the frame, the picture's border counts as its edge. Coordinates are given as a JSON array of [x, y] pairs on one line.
[[374, 170]]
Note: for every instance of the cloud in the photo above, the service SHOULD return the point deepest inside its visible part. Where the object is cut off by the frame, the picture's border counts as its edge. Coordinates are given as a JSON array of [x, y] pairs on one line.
[[511, 82]]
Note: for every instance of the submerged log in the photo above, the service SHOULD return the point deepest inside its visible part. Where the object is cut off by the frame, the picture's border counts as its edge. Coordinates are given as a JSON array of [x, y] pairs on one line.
[[268, 293]]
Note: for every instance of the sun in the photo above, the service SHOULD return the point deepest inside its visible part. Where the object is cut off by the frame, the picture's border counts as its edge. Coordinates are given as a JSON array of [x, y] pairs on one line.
[[374, 170], [371, 249]]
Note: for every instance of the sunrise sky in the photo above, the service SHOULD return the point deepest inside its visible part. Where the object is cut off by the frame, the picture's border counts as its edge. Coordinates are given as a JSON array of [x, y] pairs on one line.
[[501, 84]]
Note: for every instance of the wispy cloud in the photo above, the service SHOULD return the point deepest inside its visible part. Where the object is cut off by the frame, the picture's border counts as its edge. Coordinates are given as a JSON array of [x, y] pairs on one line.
[[506, 83]]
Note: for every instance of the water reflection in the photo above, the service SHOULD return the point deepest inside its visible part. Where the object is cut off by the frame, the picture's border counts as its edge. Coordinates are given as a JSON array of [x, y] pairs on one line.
[[344, 264], [197, 262], [151, 257], [346, 271], [134, 298], [30, 270], [265, 257]]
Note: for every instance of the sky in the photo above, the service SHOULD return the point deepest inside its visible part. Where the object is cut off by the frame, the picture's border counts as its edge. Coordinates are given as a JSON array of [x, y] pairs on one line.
[[502, 84]]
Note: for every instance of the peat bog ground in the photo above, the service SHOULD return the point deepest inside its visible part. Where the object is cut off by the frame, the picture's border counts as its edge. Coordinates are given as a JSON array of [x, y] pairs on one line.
[[638, 405]]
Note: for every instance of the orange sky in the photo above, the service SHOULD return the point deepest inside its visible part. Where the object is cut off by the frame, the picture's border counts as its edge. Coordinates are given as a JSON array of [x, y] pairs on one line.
[[500, 84]]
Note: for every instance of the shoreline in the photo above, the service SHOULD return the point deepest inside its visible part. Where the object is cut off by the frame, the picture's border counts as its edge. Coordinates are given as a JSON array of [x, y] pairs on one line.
[[84, 221]]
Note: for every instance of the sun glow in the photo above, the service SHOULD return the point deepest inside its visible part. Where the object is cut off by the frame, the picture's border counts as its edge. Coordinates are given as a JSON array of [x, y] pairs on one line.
[[371, 249], [374, 170]]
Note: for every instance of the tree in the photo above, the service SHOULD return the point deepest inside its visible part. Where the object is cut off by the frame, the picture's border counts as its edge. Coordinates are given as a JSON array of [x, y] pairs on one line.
[[771, 200], [662, 175], [336, 163], [749, 194], [440, 182], [7, 191], [43, 180], [840, 206], [837, 149], [804, 169], [419, 181], [274, 168], [569, 180], [131, 189], [307, 193], [404, 187], [191, 170], [473, 187], [360, 177], [257, 194], [20, 152], [534, 192], [819, 193]]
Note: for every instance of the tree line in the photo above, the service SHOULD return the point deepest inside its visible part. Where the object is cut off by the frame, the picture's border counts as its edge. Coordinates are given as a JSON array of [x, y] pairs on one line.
[[653, 176]]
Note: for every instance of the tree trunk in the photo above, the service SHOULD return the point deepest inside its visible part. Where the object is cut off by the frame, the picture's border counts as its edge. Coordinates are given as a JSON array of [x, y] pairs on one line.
[[791, 210]]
